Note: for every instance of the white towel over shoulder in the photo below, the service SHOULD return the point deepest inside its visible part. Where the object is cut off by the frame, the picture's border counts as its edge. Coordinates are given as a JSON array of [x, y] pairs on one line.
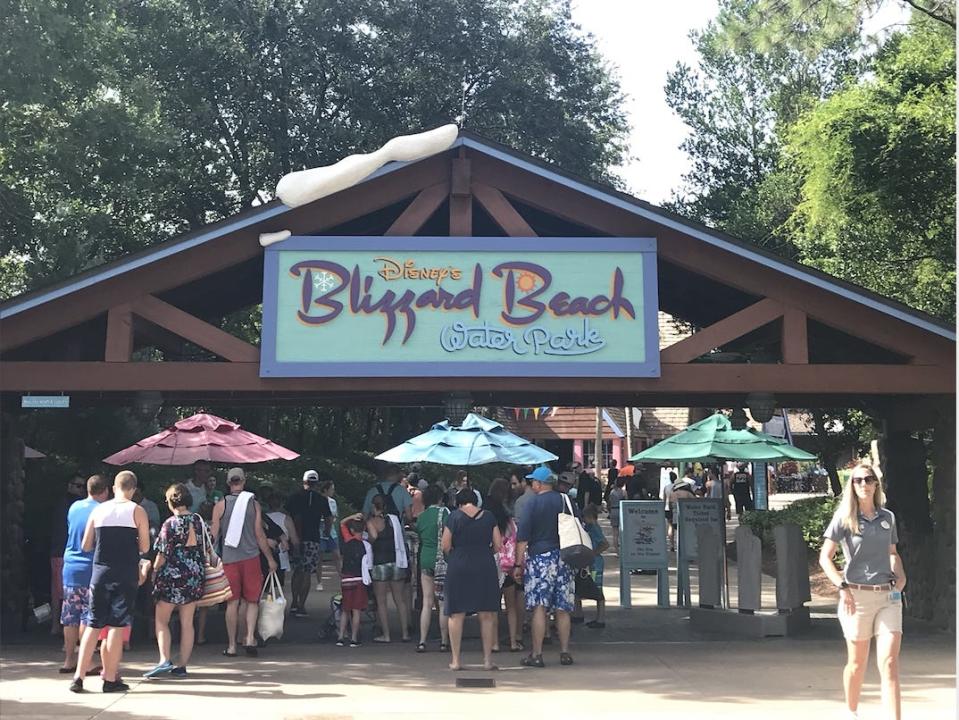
[[235, 529], [399, 542]]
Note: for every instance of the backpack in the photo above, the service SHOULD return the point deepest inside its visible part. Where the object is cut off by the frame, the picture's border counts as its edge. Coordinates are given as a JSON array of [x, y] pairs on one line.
[[390, 508], [507, 554]]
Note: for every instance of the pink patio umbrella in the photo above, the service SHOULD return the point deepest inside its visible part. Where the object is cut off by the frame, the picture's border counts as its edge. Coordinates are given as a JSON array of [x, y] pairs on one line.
[[202, 437]]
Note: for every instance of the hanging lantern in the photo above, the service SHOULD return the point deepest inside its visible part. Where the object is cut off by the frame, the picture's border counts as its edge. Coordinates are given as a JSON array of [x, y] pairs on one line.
[[457, 406], [762, 406]]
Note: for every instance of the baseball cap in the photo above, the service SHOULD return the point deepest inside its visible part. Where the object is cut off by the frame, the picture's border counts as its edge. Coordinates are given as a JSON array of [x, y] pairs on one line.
[[542, 474], [235, 473], [311, 476], [569, 478]]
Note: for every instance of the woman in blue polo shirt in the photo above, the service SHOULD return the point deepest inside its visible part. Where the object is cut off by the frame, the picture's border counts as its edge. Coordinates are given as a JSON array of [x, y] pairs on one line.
[[870, 585]]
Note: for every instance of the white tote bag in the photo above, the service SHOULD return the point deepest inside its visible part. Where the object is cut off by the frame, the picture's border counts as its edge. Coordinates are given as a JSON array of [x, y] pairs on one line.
[[575, 547], [272, 607]]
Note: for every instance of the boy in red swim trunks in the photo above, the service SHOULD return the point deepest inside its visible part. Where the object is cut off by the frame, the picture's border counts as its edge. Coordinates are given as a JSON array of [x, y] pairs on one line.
[[357, 557]]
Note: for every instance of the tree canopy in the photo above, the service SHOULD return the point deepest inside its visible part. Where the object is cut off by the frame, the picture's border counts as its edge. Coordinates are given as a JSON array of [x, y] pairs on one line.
[[126, 124], [824, 151]]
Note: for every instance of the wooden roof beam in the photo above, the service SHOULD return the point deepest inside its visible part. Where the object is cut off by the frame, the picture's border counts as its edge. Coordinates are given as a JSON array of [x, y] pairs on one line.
[[420, 210], [461, 197], [119, 344], [209, 337], [677, 379], [502, 211], [722, 332]]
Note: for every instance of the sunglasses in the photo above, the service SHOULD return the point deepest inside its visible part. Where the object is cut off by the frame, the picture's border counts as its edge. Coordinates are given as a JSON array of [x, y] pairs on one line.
[[868, 480]]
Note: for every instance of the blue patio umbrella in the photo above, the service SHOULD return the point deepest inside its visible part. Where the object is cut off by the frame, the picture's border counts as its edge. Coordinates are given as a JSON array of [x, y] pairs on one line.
[[477, 441]]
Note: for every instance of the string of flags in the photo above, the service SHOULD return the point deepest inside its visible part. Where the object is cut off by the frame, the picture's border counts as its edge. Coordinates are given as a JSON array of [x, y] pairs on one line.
[[537, 412]]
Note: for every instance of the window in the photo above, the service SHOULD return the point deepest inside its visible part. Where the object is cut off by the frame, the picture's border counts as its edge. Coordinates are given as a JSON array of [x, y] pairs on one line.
[[589, 452]]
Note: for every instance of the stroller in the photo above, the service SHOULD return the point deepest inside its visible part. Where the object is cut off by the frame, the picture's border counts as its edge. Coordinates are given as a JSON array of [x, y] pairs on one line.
[[331, 628]]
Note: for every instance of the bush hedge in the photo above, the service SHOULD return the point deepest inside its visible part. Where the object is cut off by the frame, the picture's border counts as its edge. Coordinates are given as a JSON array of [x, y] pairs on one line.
[[812, 515]]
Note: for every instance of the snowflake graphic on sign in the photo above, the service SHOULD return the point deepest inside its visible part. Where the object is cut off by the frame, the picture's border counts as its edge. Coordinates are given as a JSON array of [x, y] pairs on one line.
[[324, 282]]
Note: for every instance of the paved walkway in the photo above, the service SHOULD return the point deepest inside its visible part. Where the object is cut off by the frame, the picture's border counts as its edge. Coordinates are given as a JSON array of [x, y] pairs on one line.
[[646, 663]]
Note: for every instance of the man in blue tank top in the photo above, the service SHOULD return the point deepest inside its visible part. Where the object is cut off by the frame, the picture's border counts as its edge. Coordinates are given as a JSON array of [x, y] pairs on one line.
[[77, 569]]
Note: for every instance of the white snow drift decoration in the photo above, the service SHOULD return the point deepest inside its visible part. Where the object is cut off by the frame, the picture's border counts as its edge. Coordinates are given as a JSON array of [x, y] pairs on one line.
[[274, 237], [299, 188]]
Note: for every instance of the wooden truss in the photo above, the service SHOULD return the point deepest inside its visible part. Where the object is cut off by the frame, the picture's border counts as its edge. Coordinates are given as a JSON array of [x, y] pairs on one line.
[[129, 298]]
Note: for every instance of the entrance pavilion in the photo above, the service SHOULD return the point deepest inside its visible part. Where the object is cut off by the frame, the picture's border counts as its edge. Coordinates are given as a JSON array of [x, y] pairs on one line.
[[151, 322]]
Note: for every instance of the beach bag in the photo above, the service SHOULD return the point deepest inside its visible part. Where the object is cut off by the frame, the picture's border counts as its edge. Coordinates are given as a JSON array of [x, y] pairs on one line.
[[586, 587], [272, 609], [507, 554], [216, 587], [575, 547], [439, 571]]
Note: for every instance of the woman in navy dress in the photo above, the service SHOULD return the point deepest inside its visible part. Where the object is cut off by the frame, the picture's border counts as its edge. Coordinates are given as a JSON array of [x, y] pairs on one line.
[[470, 540]]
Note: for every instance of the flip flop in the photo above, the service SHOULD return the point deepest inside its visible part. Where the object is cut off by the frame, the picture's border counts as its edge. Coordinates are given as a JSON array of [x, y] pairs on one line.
[[227, 653]]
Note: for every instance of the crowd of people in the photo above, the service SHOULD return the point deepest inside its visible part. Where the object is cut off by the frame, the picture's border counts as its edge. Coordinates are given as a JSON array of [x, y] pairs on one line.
[[437, 550]]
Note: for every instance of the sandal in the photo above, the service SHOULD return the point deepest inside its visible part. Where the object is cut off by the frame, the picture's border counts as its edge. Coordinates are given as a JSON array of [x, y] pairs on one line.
[[67, 671], [517, 647], [565, 659], [421, 647], [491, 667], [535, 661]]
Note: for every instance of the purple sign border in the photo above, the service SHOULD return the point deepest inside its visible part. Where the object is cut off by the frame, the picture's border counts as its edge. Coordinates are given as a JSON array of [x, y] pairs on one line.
[[270, 367]]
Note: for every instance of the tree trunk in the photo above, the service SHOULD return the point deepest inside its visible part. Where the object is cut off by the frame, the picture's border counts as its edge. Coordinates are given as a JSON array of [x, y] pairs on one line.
[[12, 575]]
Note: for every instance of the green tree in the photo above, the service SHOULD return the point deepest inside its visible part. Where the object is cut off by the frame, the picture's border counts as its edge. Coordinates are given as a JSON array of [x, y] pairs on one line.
[[736, 104], [811, 25], [877, 163], [123, 125]]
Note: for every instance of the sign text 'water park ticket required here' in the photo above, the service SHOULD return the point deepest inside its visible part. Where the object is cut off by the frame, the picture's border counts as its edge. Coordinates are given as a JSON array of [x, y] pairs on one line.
[[470, 306]]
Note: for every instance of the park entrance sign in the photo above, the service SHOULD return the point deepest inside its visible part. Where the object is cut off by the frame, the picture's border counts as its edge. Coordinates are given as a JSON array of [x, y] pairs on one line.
[[441, 306]]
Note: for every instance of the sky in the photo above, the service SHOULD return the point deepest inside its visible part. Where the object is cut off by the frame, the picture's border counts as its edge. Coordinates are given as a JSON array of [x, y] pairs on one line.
[[644, 40]]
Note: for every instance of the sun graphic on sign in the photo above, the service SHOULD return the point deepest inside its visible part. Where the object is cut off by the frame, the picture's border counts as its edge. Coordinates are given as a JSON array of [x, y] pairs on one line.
[[526, 281]]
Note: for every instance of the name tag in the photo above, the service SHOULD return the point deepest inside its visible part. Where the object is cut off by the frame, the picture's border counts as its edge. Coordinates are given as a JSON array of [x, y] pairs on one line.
[[895, 596]]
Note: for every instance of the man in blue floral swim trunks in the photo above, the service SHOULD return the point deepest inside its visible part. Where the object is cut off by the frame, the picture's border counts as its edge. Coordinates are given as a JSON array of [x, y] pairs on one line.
[[548, 580]]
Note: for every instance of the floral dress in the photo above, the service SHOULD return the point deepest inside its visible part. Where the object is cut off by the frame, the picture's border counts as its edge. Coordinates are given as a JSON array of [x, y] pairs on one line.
[[180, 579]]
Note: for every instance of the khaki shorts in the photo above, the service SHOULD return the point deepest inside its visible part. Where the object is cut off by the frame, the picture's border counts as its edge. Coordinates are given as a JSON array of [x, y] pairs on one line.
[[875, 614]]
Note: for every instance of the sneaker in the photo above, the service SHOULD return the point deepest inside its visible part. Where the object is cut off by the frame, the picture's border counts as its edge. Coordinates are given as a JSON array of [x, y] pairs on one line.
[[319, 587], [355, 643], [162, 668], [341, 643], [300, 613], [116, 686], [178, 672], [76, 686]]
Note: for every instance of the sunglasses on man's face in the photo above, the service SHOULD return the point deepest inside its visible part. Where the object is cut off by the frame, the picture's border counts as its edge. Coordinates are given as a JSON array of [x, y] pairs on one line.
[[868, 480]]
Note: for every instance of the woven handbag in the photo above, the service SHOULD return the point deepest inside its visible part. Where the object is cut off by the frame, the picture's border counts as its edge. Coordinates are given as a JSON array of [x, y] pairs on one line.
[[216, 587]]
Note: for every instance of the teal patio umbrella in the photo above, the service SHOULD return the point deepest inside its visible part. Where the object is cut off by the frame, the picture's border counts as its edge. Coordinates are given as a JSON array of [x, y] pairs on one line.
[[477, 441], [715, 439]]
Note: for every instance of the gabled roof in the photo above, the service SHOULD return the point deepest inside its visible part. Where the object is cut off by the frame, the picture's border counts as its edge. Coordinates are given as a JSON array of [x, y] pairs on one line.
[[276, 209]]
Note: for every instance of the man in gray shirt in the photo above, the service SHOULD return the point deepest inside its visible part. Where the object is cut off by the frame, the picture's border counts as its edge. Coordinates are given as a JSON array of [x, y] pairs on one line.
[[242, 546]]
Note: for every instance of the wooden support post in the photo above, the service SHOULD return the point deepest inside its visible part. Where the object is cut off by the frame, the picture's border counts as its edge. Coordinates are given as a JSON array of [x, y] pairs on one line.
[[461, 199], [722, 332], [119, 345], [795, 343], [420, 210], [195, 330], [502, 211]]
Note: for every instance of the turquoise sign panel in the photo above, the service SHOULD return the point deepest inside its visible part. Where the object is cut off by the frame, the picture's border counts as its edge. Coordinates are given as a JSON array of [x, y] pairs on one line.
[[420, 306]]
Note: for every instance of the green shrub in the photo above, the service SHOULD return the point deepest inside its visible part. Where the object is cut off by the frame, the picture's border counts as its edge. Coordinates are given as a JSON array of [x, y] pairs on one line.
[[812, 515]]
